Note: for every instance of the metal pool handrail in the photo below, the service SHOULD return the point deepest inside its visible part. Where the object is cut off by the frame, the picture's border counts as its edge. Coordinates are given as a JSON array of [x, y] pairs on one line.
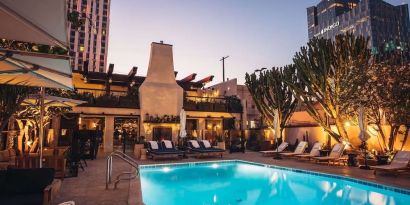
[[124, 158]]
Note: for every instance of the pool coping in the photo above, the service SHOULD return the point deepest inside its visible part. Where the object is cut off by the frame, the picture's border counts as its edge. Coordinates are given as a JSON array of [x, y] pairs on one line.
[[315, 173]]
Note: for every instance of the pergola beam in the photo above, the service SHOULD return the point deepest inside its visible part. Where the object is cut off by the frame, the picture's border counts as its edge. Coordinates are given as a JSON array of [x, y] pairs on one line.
[[189, 78]]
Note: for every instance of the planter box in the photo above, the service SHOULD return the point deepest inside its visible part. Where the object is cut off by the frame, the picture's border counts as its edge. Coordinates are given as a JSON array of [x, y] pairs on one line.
[[137, 150], [143, 154], [221, 145]]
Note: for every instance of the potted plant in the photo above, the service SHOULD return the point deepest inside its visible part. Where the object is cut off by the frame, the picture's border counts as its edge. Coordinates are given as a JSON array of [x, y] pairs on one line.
[[383, 159]]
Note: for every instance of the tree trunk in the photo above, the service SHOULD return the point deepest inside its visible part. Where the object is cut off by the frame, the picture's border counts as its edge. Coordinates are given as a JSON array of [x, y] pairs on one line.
[[406, 134], [341, 129], [393, 133], [383, 136]]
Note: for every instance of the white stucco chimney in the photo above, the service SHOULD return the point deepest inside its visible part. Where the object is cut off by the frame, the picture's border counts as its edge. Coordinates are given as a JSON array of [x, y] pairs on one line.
[[159, 93]]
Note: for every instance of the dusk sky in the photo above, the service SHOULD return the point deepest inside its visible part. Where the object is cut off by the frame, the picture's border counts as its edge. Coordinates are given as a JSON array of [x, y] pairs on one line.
[[254, 33]]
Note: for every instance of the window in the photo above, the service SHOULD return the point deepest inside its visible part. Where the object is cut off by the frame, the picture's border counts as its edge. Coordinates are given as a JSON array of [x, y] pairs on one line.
[[81, 48]]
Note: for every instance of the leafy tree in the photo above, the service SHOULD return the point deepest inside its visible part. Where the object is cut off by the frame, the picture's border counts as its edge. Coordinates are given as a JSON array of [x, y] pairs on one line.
[[384, 89], [11, 96], [326, 69], [269, 92]]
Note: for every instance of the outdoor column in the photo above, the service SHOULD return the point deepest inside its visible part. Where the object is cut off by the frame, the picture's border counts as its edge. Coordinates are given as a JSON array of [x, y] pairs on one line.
[[56, 127], [108, 134], [201, 127]]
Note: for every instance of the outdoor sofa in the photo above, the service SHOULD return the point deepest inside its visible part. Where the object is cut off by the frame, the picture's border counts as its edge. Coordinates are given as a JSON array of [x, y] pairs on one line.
[[164, 149], [203, 148], [28, 186], [7, 158]]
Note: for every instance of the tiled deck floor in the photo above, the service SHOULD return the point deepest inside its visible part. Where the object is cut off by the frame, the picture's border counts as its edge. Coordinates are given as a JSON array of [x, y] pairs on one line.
[[89, 187]]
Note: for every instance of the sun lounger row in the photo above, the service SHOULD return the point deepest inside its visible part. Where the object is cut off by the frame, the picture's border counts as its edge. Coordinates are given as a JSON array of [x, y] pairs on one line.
[[400, 162], [167, 149], [334, 157]]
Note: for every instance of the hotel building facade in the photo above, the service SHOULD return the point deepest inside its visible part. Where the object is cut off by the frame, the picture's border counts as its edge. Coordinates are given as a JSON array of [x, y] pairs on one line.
[[89, 43], [150, 105], [378, 20]]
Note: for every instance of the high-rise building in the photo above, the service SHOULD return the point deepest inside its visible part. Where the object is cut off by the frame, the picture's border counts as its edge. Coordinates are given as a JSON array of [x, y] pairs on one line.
[[90, 41], [376, 19]]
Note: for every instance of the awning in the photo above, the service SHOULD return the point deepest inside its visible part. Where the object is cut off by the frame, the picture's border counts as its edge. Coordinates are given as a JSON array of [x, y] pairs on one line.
[[29, 69], [35, 21]]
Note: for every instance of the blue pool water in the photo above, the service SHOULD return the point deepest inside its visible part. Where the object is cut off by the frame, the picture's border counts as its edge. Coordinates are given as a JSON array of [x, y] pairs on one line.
[[241, 183]]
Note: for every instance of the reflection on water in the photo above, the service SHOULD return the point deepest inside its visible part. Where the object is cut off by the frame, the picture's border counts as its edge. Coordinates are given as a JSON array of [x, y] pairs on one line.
[[243, 184]]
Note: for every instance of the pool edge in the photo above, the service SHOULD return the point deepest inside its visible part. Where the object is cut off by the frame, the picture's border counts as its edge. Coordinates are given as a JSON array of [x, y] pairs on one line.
[[297, 170]]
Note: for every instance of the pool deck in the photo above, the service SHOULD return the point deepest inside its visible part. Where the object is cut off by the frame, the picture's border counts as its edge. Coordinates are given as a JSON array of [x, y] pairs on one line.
[[89, 186]]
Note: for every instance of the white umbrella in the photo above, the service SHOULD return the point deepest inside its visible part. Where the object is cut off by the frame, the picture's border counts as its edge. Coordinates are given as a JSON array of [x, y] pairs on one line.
[[51, 101], [182, 117], [276, 124], [36, 21], [363, 135], [39, 70], [43, 22]]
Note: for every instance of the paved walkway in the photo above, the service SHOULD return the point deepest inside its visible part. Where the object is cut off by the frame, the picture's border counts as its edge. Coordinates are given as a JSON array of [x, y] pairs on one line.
[[89, 187]]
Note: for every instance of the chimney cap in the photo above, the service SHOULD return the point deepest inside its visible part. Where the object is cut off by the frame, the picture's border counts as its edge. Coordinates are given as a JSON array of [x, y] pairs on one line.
[[161, 43]]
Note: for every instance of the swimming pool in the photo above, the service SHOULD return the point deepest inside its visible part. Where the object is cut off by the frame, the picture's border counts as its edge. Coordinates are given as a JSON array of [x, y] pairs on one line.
[[246, 183]]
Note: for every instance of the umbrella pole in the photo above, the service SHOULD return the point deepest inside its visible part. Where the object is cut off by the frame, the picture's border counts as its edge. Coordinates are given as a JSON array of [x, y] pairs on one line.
[[41, 132]]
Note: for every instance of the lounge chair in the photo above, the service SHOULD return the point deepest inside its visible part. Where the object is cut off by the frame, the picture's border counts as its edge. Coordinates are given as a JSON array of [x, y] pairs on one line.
[[334, 156], [204, 148], [314, 152], [401, 162], [157, 150], [280, 149], [299, 150]]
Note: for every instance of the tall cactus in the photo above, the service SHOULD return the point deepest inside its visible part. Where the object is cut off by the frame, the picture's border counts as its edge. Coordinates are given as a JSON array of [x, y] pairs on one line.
[[326, 67], [269, 92]]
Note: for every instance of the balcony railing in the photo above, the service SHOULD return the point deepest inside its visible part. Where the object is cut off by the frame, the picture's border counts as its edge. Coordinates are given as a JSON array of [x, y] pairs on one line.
[[113, 101], [209, 104]]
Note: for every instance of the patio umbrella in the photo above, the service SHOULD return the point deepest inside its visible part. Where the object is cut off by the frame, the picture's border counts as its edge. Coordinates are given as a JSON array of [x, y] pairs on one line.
[[51, 101], [40, 21], [182, 116], [363, 135], [38, 70], [20, 68]]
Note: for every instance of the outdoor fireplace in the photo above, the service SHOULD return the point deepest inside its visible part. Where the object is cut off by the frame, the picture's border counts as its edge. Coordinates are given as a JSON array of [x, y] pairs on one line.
[[160, 95]]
